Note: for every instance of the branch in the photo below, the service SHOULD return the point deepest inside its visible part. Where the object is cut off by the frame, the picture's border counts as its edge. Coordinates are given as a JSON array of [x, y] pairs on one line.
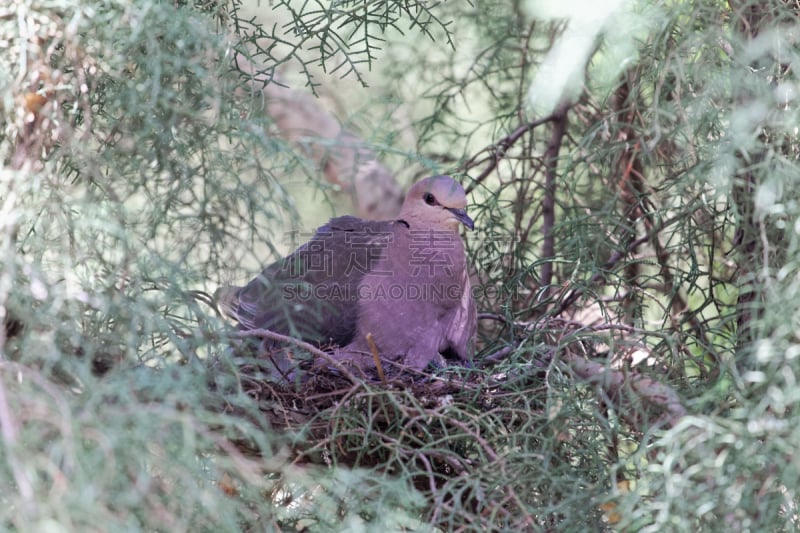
[[549, 200], [343, 157], [497, 151], [313, 350], [629, 391]]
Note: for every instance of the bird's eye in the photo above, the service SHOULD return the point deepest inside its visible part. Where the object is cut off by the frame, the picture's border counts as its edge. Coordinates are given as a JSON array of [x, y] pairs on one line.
[[429, 198]]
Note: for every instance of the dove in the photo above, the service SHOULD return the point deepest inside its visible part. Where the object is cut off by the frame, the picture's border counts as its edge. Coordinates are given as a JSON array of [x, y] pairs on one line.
[[403, 282]]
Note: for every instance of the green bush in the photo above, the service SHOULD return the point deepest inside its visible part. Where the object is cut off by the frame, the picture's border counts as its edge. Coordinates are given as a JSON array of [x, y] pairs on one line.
[[631, 169]]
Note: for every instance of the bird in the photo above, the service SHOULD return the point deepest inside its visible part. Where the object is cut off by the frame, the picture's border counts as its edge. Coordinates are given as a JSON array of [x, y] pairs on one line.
[[401, 285]]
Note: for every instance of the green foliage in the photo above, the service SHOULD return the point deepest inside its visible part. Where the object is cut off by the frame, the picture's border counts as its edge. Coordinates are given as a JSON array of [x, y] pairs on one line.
[[132, 174], [654, 215], [342, 38]]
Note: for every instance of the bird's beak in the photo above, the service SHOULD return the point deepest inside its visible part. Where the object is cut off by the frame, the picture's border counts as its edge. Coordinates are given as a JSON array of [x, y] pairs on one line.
[[462, 216]]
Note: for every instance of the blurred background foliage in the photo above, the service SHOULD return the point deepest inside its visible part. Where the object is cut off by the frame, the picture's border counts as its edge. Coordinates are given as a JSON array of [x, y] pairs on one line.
[[631, 168]]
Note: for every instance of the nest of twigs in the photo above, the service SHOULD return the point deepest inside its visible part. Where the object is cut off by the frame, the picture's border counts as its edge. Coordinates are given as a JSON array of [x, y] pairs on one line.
[[438, 427], [415, 424], [471, 438]]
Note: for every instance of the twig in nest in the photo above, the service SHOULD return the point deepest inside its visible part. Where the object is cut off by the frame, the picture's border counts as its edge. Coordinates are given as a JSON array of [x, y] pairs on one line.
[[498, 356], [316, 352], [374, 349]]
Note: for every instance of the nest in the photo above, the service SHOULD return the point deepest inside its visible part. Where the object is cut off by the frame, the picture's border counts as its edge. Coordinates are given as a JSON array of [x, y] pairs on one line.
[[456, 434]]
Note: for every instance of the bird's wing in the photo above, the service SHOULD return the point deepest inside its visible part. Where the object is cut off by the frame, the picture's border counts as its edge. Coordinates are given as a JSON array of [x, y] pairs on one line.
[[312, 293], [460, 332]]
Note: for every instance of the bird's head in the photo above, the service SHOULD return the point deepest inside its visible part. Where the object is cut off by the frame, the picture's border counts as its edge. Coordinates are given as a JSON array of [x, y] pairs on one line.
[[438, 202]]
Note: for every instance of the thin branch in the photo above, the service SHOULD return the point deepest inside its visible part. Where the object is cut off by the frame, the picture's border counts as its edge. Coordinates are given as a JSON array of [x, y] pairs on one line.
[[497, 151], [313, 350], [377, 358], [615, 258], [498, 356], [549, 200]]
